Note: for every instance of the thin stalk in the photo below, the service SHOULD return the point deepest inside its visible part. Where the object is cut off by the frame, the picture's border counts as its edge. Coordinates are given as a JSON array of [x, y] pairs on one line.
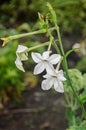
[[29, 34], [7, 39], [56, 47], [49, 47], [52, 41], [67, 99], [38, 46], [60, 41], [67, 73]]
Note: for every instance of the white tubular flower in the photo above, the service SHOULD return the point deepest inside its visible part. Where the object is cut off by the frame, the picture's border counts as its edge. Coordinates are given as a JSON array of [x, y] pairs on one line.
[[22, 55], [45, 61], [55, 79], [19, 65], [22, 52]]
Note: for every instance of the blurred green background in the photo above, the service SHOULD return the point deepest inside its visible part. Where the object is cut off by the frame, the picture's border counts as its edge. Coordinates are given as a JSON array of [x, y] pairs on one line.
[[18, 16]]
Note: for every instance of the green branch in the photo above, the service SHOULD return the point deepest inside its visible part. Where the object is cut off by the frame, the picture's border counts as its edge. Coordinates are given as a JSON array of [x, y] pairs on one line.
[[7, 39]]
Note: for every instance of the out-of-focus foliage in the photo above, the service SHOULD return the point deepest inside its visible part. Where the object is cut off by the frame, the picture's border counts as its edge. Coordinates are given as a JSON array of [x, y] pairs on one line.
[[12, 81], [71, 15], [83, 94], [30, 80], [79, 82], [76, 79], [81, 126], [73, 121], [81, 52], [11, 84], [7, 32], [84, 80], [81, 65], [81, 48]]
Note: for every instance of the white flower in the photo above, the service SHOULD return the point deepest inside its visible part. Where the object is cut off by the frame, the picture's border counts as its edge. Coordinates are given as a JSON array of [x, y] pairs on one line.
[[22, 55], [19, 65], [22, 52], [45, 61], [76, 45], [55, 79]]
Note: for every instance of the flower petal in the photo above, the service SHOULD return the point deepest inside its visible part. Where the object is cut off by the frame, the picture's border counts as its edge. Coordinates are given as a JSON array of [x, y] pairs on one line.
[[19, 65], [36, 57], [60, 75], [46, 55], [21, 48], [23, 56], [50, 69], [39, 68], [46, 76], [46, 84], [54, 59], [58, 86]]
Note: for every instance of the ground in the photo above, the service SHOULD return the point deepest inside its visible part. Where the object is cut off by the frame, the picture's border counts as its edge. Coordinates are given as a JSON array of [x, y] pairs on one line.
[[40, 110]]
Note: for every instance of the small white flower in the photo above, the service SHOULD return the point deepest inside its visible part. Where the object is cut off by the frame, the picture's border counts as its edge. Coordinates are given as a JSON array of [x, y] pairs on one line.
[[76, 45], [22, 52], [45, 61], [80, 48], [19, 65], [22, 55], [55, 79]]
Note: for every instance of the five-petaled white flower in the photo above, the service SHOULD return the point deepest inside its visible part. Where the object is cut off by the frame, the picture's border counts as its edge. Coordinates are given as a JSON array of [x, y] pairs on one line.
[[55, 79], [45, 61], [22, 55]]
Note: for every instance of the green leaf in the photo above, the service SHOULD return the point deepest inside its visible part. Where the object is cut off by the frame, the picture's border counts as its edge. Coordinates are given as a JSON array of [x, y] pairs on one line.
[[82, 126], [82, 96], [76, 79]]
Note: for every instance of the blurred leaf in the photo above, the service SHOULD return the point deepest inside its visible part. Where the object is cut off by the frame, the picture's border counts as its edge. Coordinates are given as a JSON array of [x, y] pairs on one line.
[[76, 79], [81, 65], [82, 96], [84, 81], [82, 126], [30, 80], [70, 115], [24, 26]]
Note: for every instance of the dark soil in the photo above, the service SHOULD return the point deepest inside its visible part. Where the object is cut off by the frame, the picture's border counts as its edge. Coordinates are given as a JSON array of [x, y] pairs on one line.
[[40, 110]]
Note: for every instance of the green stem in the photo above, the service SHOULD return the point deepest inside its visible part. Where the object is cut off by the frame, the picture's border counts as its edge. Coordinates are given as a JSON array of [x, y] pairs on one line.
[[29, 34], [38, 46], [65, 66], [56, 47], [52, 41], [59, 38], [7, 39]]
